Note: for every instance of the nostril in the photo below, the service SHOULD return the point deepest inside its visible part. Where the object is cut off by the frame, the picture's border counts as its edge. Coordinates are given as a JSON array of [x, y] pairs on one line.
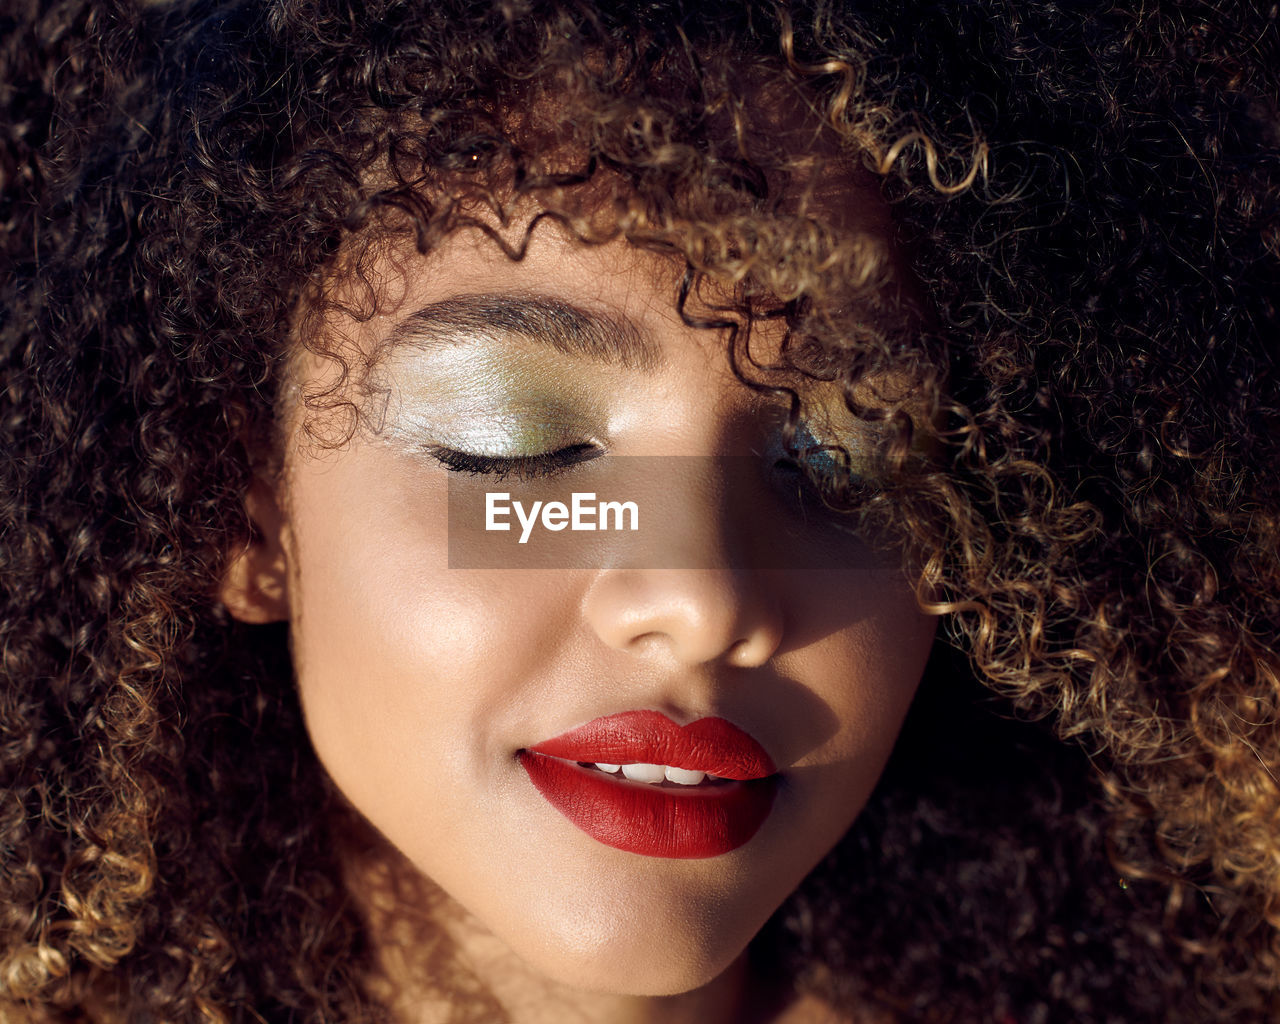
[[693, 616]]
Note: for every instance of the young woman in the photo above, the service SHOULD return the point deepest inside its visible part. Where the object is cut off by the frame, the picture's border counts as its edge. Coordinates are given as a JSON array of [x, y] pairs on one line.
[[903, 644]]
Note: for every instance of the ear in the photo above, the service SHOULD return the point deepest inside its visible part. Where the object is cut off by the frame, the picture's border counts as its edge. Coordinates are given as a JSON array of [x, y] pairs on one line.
[[255, 587]]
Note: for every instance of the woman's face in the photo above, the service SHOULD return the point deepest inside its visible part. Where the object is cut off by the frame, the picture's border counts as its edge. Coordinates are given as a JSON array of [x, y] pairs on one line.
[[432, 693]]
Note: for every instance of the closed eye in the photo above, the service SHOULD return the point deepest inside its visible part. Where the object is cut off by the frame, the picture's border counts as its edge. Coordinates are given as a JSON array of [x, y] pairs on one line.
[[811, 471], [823, 461], [521, 467]]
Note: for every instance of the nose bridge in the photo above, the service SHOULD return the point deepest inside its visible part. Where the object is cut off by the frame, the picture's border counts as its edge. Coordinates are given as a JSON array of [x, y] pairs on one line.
[[688, 591]]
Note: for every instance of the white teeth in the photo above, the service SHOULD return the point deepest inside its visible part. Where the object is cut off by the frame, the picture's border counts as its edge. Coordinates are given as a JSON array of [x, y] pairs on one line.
[[651, 773], [655, 773]]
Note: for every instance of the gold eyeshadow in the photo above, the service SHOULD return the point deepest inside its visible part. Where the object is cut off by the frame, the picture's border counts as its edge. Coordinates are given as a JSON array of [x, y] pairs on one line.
[[503, 400], [504, 403]]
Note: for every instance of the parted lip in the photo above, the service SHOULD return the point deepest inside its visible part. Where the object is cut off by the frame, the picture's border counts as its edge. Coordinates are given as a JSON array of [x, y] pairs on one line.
[[710, 745]]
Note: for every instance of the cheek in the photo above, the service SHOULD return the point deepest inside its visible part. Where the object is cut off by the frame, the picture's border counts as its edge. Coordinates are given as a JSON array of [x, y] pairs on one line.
[[889, 645], [860, 654], [406, 668]]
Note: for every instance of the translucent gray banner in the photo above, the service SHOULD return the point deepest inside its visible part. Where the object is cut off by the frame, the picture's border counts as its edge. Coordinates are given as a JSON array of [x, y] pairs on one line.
[[662, 512]]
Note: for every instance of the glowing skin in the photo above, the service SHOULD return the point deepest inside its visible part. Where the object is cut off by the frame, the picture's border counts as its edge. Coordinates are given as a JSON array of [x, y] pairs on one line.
[[421, 683]]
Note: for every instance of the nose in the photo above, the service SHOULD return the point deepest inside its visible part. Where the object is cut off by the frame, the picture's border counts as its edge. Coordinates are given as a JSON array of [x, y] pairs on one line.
[[687, 592], [693, 616]]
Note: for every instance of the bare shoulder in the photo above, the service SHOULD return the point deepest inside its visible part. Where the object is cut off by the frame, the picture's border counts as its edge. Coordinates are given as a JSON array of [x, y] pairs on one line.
[[18, 1013], [809, 1009]]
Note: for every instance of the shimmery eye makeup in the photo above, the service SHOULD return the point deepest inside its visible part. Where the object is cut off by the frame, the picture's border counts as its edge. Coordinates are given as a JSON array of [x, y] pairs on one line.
[[490, 399], [822, 456]]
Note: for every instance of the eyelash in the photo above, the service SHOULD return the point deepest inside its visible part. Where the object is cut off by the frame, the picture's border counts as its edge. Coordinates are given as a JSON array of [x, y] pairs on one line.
[[547, 464], [521, 467], [824, 458], [820, 469], [818, 459]]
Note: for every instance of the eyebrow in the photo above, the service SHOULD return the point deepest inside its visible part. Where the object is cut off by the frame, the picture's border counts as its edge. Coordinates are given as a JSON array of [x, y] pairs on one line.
[[546, 320]]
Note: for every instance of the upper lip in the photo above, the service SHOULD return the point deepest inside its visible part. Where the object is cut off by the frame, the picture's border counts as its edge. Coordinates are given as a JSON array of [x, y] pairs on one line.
[[710, 745]]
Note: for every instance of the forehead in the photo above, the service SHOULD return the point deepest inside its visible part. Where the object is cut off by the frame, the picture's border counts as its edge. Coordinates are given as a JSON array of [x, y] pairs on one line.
[[528, 274], [468, 317], [519, 275], [733, 184], [463, 251]]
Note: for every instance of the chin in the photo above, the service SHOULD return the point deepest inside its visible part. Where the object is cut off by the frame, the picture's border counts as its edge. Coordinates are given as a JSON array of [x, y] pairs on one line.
[[658, 968], [659, 947]]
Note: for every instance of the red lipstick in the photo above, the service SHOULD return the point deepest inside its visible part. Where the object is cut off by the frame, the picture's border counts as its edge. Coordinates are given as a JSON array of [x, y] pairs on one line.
[[669, 821]]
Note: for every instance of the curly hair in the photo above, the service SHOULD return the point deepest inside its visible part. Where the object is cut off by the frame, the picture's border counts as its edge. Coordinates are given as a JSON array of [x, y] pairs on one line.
[[1080, 820]]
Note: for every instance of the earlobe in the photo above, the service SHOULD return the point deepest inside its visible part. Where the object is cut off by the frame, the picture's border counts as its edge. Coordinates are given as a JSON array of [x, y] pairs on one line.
[[255, 586]]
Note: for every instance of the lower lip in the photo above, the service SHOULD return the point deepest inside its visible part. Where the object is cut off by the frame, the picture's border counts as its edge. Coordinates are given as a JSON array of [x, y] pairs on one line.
[[651, 820]]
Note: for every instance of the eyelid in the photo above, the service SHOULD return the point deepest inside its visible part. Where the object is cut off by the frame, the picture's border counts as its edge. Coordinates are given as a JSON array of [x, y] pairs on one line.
[[522, 467], [806, 444]]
